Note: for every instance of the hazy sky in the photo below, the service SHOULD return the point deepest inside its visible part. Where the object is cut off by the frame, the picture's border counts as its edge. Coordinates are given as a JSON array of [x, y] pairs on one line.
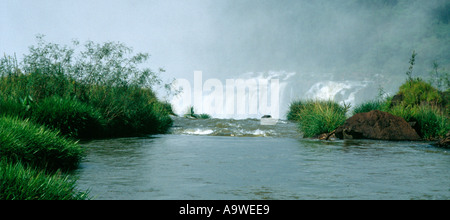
[[226, 37], [170, 31]]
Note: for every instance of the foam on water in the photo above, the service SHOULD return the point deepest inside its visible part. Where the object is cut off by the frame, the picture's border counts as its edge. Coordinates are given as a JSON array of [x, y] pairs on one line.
[[233, 128]]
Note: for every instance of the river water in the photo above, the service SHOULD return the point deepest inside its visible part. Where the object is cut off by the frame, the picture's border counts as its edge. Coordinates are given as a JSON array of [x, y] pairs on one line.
[[225, 159]]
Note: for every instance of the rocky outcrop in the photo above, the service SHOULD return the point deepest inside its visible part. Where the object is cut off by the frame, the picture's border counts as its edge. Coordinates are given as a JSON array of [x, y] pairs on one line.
[[376, 125]]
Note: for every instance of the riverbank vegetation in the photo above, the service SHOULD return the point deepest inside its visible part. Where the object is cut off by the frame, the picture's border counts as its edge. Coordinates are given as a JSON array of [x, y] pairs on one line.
[[417, 101], [58, 94], [420, 104], [34, 160], [100, 91]]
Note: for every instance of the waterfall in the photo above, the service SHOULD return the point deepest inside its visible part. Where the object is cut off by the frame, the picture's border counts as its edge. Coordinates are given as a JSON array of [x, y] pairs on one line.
[[339, 91], [250, 95], [253, 95]]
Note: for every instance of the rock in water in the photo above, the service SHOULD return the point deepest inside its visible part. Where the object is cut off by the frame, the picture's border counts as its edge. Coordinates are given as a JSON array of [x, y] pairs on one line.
[[376, 125]]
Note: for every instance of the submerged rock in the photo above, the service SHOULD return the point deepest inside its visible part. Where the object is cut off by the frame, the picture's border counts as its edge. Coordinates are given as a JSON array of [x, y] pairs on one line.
[[376, 125]]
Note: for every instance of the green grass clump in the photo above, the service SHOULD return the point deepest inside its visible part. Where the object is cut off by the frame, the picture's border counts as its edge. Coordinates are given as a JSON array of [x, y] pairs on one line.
[[18, 182], [35, 145], [382, 105], [204, 116], [294, 110], [14, 107], [70, 116], [431, 122], [316, 117]]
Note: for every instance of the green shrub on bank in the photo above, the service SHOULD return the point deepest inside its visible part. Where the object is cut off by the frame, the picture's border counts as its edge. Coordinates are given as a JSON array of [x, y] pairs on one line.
[[160, 115], [153, 118], [105, 83], [70, 116], [18, 182], [22, 140], [316, 117]]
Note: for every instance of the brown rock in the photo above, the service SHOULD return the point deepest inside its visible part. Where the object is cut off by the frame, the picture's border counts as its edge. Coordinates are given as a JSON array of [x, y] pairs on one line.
[[376, 125]]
